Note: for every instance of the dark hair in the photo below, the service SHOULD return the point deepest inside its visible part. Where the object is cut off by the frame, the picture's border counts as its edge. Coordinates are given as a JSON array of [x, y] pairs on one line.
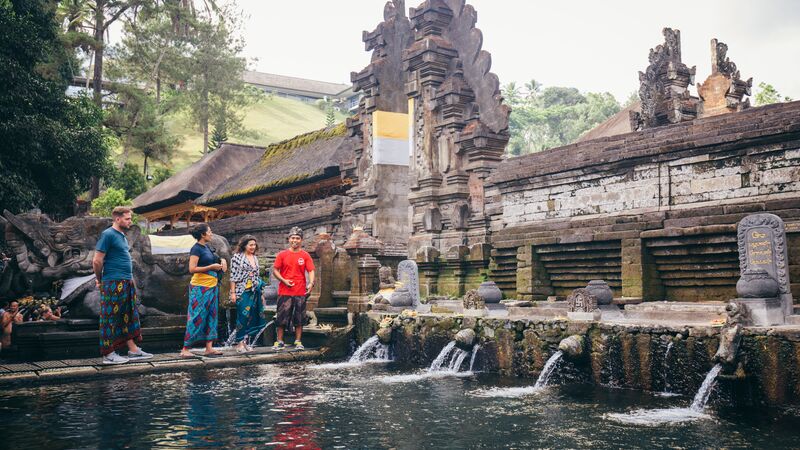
[[244, 241], [199, 231]]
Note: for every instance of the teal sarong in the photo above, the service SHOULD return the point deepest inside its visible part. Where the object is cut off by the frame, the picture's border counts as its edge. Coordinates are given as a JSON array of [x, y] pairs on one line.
[[249, 313]]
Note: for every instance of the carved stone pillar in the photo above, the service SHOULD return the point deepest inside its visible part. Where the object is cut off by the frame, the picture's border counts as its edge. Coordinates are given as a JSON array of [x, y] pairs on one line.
[[427, 259], [322, 250], [362, 247]]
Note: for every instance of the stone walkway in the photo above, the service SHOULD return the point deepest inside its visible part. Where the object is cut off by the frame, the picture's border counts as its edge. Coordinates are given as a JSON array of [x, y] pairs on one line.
[[93, 368]]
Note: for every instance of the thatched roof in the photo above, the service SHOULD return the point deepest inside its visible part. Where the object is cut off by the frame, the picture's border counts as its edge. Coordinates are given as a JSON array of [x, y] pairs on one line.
[[300, 160], [202, 176]]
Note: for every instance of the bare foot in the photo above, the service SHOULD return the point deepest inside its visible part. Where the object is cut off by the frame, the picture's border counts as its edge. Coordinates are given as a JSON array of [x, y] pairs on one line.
[[212, 353], [187, 354]]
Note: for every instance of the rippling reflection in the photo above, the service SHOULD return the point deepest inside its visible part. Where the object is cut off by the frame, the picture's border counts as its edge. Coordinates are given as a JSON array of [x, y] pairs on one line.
[[301, 406]]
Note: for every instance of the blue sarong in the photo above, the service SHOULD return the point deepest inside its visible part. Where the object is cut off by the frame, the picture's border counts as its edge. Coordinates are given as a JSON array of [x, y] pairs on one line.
[[249, 313], [201, 320], [119, 317]]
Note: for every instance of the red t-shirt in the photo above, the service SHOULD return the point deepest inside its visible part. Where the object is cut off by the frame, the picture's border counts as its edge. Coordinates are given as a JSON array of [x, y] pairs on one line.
[[293, 266]]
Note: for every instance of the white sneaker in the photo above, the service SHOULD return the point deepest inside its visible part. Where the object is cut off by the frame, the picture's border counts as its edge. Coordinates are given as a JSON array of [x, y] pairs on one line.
[[114, 358], [140, 355]]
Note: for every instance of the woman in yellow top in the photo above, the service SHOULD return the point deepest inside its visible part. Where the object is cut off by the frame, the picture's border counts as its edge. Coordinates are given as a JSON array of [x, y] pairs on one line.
[[201, 320]]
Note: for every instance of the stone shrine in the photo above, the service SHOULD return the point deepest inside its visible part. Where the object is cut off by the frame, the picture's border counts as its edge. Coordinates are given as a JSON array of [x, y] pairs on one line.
[[764, 284], [408, 275]]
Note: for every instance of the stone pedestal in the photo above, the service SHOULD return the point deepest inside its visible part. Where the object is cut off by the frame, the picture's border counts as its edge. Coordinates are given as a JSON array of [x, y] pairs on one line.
[[762, 312]]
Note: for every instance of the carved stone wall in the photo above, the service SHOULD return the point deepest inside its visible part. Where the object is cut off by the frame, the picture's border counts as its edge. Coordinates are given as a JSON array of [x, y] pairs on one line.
[[460, 126], [653, 213], [380, 191]]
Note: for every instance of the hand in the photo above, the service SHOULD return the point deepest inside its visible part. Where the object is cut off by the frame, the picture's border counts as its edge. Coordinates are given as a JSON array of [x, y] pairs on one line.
[[309, 287], [289, 283], [97, 283], [215, 267], [224, 265], [233, 297]]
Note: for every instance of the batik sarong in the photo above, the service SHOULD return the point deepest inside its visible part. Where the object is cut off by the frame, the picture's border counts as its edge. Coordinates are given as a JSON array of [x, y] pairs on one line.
[[119, 317], [249, 309], [291, 311], [201, 320]]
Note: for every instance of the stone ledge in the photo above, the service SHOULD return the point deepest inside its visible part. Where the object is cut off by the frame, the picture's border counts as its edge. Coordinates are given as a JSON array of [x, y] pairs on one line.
[[82, 371]]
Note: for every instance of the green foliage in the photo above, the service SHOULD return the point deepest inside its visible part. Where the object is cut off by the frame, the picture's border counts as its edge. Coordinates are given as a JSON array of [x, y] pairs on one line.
[[553, 116], [218, 137], [129, 180], [767, 94], [52, 144], [215, 92], [108, 200], [330, 117], [139, 126], [161, 174]]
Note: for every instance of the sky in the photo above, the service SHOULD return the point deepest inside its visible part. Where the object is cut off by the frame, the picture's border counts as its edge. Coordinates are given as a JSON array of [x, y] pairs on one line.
[[595, 46]]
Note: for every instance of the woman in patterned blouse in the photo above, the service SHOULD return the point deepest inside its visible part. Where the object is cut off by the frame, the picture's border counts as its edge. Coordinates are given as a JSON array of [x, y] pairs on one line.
[[246, 292]]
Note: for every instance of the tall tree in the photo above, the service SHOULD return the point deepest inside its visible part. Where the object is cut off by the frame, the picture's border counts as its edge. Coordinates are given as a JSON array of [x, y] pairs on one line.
[[214, 86], [61, 138], [105, 12]]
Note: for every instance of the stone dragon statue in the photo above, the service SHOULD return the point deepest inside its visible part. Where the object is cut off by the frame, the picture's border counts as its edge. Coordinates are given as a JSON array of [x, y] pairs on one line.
[[49, 256]]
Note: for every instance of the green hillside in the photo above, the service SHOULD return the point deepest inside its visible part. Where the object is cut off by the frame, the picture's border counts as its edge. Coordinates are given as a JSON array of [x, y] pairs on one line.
[[272, 119]]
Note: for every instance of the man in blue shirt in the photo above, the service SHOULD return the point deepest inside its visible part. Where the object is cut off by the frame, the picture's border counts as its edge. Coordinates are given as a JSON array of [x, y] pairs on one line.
[[113, 268]]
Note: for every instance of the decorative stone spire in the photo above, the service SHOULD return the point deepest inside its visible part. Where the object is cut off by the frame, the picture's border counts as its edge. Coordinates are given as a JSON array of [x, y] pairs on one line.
[[663, 87], [723, 90]]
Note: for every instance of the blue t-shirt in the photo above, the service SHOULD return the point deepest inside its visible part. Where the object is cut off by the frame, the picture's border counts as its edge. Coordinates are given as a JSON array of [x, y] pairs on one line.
[[207, 257], [117, 265]]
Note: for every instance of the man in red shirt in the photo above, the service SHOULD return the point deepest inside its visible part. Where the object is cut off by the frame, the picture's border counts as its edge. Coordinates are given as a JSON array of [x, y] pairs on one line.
[[290, 269]]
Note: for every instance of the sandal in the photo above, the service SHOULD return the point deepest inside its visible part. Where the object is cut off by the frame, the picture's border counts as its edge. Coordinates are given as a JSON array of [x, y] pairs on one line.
[[187, 355]]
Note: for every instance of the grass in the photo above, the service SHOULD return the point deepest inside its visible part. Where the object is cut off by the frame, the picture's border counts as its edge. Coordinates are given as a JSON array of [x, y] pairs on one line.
[[271, 120]]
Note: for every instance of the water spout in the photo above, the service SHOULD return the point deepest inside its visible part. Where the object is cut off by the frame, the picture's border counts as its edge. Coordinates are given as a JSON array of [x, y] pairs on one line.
[[436, 365], [255, 339], [666, 368], [549, 367], [653, 417], [701, 398], [474, 354], [371, 347]]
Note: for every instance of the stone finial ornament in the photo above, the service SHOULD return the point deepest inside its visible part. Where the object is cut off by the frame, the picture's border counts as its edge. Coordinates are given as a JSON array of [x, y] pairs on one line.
[[663, 86], [723, 90]]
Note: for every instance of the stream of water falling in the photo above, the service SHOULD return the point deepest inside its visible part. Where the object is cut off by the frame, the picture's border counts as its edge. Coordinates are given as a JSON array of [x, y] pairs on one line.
[[655, 417], [541, 382], [701, 398], [548, 369], [436, 365], [666, 369], [474, 354], [370, 349], [232, 336]]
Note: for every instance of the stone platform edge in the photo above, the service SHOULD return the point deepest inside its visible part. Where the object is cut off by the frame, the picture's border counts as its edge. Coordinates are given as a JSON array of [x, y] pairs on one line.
[[73, 370]]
